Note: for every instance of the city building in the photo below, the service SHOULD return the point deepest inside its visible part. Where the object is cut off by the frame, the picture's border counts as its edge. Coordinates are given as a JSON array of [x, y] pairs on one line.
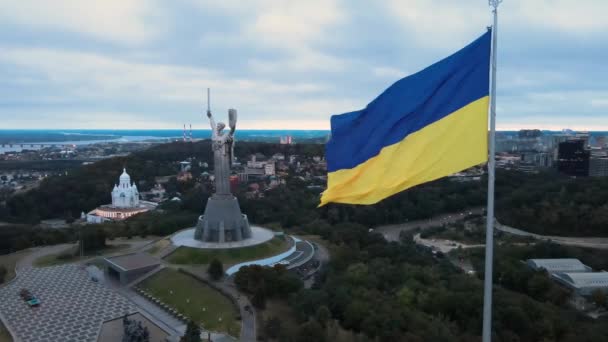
[[558, 265], [537, 159], [573, 158], [254, 173], [573, 274], [269, 169], [286, 140], [185, 166], [234, 183], [127, 268], [584, 283], [598, 167], [256, 161], [125, 203]]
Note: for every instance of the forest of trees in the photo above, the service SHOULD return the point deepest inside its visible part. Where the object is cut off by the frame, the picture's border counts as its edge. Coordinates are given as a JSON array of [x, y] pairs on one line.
[[545, 203], [552, 204], [89, 186], [388, 291], [383, 291]]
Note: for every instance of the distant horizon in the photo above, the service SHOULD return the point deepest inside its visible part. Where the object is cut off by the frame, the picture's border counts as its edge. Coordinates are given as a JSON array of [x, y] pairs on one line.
[[510, 129]]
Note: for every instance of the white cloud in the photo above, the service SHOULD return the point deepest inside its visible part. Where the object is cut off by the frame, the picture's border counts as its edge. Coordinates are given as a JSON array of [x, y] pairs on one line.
[[600, 103], [296, 24], [123, 21], [294, 27], [389, 72], [84, 78], [579, 17], [448, 23], [440, 23]]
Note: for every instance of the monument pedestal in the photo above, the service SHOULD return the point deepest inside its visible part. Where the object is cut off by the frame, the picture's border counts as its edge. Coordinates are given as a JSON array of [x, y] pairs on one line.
[[222, 221]]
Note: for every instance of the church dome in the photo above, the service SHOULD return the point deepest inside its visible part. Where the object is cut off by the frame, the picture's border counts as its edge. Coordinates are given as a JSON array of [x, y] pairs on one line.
[[125, 178]]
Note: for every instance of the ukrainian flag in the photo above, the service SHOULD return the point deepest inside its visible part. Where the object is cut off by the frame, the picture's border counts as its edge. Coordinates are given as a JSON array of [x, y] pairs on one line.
[[424, 127]]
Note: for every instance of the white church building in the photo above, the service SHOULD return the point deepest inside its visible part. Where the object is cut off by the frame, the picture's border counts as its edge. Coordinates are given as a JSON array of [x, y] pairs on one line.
[[125, 202]]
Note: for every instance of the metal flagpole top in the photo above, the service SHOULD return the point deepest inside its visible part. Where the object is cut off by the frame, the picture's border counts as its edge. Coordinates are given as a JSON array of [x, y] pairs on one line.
[[494, 3]]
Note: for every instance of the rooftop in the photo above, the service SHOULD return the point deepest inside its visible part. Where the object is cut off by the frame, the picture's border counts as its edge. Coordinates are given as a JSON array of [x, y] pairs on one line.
[[586, 279], [558, 265], [133, 261]]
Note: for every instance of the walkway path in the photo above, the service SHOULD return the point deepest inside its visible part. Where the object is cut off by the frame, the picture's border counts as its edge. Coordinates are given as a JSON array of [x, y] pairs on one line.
[[159, 316]]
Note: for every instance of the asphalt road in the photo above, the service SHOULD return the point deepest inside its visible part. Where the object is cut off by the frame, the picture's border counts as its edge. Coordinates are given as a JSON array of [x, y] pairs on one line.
[[37, 252], [588, 242], [442, 245], [391, 232]]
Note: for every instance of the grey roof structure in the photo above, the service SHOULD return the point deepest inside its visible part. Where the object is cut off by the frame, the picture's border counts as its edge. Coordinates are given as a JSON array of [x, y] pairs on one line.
[[587, 279], [558, 265], [133, 261], [584, 282]]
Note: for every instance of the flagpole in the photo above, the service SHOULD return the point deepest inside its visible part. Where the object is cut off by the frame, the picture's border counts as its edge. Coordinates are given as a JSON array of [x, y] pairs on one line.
[[487, 291]]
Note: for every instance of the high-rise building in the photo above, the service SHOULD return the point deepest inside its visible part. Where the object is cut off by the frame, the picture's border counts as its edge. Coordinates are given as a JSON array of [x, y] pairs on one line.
[[573, 158], [598, 167], [269, 169], [529, 133]]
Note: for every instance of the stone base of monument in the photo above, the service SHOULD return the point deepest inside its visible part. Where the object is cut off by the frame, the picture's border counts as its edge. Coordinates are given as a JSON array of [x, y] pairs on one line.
[[222, 221], [186, 238]]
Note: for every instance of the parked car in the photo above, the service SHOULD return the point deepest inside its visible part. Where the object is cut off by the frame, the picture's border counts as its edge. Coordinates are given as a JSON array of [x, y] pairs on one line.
[[29, 298]]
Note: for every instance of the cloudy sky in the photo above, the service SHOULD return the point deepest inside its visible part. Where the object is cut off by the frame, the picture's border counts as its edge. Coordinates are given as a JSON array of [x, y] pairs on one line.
[[130, 64]]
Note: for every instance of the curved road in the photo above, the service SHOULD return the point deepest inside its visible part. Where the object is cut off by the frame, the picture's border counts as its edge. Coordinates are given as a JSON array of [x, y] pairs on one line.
[[37, 252], [391, 232], [588, 242]]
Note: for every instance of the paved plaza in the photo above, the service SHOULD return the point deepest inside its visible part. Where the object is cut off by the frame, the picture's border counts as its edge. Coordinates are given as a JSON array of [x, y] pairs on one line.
[[73, 307], [258, 235]]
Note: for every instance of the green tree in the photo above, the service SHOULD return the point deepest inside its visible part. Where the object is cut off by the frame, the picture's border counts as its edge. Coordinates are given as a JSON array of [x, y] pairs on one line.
[[323, 315], [259, 299], [2, 273], [272, 327], [311, 331], [405, 296], [193, 333], [599, 297], [93, 238], [216, 269]]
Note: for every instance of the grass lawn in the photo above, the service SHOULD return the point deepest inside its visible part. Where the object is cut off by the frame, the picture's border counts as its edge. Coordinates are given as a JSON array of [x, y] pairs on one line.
[[158, 246], [9, 261], [200, 295], [4, 335], [229, 256], [71, 255]]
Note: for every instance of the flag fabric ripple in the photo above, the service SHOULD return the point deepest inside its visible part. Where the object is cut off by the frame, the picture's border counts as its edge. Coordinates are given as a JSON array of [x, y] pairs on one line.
[[425, 126]]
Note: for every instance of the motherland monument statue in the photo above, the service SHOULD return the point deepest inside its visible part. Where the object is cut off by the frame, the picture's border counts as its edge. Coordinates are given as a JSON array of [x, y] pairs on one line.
[[222, 220]]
